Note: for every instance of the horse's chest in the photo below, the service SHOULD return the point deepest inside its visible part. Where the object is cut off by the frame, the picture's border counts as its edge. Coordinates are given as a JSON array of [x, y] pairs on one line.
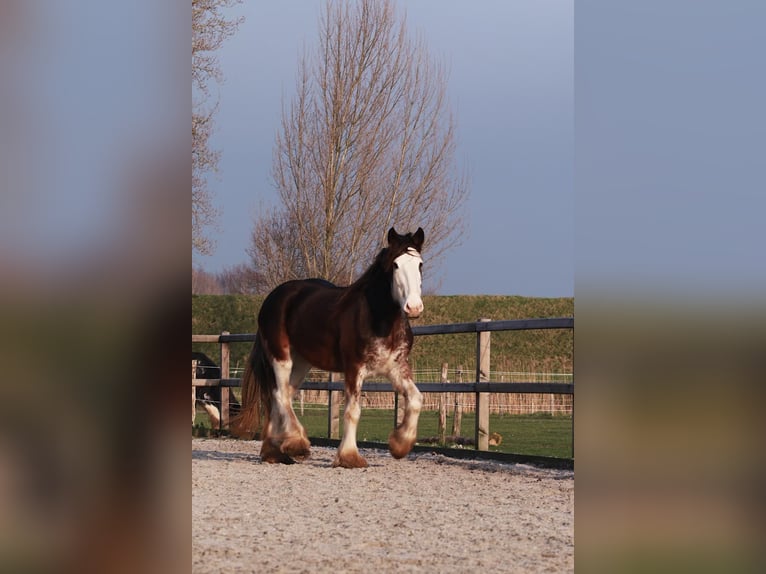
[[382, 359]]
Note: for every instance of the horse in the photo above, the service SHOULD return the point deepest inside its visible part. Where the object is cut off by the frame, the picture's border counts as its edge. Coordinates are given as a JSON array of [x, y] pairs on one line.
[[210, 397], [361, 330]]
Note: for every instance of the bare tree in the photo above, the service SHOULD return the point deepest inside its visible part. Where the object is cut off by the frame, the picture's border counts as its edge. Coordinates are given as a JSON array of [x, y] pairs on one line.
[[367, 143], [275, 254], [240, 279], [210, 28], [204, 283]]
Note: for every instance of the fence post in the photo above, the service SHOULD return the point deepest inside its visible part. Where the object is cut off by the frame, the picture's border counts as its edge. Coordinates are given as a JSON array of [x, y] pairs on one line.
[[482, 399], [333, 411], [443, 407], [225, 359], [457, 415]]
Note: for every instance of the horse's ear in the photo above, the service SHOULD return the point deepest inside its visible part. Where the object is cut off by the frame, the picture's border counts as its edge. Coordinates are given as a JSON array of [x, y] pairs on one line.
[[393, 236], [418, 238]]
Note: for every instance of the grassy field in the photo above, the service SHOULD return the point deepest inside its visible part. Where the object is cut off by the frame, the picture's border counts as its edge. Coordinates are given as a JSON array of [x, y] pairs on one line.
[[538, 434]]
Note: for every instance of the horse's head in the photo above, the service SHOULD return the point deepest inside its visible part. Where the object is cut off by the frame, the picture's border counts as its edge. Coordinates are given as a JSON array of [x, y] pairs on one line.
[[407, 270]]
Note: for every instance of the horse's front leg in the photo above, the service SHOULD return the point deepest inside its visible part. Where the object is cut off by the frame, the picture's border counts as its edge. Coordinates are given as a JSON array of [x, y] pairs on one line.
[[403, 437], [348, 454]]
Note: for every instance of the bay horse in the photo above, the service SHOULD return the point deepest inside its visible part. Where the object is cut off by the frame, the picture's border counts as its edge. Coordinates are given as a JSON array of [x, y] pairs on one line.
[[360, 330]]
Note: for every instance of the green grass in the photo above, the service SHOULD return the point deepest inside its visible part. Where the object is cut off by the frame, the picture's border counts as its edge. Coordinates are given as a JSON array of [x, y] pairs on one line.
[[536, 434]]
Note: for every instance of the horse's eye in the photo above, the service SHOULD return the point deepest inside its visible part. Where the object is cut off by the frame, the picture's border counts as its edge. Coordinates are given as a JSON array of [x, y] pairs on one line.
[[396, 265], [421, 268]]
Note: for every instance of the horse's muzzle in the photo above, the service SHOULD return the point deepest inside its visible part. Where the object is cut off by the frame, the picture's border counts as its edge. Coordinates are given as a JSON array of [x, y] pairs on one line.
[[413, 311]]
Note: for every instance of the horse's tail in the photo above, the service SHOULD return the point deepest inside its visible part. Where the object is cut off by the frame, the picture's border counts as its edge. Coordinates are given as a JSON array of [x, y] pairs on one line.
[[258, 383]]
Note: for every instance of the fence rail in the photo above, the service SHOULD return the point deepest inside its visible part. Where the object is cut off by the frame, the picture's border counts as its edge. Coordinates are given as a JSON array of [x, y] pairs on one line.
[[481, 387], [445, 329]]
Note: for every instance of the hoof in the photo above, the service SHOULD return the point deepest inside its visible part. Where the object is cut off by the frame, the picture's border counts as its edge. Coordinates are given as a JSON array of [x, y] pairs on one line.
[[349, 460], [272, 454], [399, 446], [298, 448]]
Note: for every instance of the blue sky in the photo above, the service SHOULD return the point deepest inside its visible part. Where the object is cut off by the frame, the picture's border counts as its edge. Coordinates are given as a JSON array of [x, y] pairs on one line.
[[511, 89]]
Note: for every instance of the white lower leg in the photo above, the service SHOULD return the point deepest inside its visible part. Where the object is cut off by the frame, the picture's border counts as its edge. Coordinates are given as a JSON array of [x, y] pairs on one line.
[[351, 417], [288, 436], [414, 402], [282, 401], [214, 414], [402, 438]]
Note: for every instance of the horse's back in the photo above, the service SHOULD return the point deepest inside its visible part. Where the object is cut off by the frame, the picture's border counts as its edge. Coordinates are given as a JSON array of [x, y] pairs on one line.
[[291, 296], [301, 315]]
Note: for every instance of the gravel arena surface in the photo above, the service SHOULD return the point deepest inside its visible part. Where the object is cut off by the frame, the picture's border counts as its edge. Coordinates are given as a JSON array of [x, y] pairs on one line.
[[424, 513]]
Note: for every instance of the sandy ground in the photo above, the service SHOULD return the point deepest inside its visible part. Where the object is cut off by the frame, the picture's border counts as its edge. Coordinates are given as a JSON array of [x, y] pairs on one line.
[[424, 513]]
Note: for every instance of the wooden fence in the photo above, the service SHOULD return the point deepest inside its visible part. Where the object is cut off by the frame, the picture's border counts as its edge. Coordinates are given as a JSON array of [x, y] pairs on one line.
[[480, 388]]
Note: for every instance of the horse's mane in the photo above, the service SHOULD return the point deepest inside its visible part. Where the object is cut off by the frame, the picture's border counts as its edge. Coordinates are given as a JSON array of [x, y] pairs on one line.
[[380, 264]]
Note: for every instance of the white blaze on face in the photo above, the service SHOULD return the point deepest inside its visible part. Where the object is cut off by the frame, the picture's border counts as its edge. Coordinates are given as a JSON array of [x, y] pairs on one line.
[[407, 282]]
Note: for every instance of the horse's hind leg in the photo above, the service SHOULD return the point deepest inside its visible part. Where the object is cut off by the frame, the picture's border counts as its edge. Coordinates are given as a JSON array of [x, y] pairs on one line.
[[296, 441], [285, 437]]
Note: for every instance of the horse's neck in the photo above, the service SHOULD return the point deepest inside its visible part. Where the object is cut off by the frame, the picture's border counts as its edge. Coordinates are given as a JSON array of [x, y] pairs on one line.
[[383, 309], [373, 289]]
